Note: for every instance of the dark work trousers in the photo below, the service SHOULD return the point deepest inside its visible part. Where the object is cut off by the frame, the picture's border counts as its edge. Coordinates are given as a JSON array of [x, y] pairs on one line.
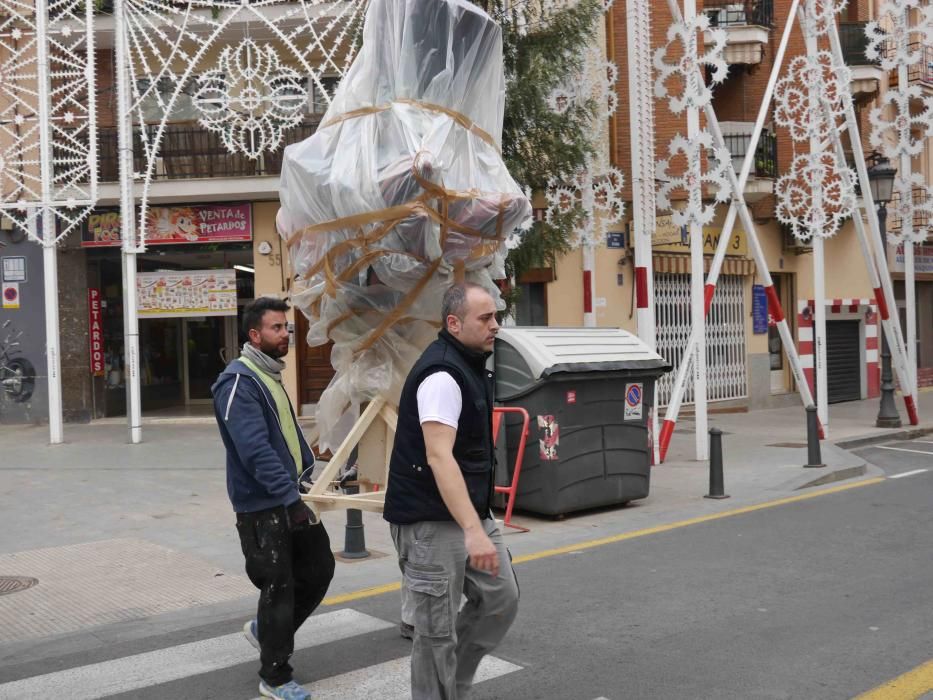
[[292, 566]]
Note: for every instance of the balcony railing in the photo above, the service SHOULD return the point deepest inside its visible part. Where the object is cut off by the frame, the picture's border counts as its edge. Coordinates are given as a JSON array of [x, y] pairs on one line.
[[723, 13], [921, 217], [190, 152], [854, 43], [920, 72], [765, 154]]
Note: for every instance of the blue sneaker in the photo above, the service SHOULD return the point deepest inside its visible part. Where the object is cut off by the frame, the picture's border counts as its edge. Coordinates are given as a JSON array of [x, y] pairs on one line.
[[251, 634], [286, 691]]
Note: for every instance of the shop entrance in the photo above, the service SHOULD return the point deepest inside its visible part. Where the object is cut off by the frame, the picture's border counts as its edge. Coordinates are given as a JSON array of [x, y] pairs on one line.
[[209, 342], [182, 358]]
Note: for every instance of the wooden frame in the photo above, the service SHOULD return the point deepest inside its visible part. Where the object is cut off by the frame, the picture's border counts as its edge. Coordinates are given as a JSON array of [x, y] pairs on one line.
[[373, 435]]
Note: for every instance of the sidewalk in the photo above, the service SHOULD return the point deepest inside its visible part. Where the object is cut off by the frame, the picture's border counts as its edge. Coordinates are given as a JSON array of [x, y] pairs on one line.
[[137, 539]]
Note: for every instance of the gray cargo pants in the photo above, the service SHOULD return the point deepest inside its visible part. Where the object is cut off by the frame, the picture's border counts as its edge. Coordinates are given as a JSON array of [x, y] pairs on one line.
[[448, 646]]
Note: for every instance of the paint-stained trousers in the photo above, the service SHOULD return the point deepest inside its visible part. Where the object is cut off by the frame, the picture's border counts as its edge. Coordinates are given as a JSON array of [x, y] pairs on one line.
[[292, 566], [447, 645]]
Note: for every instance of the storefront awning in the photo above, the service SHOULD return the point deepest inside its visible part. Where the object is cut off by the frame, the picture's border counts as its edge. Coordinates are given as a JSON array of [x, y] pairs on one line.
[[672, 263]]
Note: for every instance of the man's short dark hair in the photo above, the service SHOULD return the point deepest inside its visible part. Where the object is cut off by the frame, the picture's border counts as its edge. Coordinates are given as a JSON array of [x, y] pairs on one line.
[[455, 300], [256, 309]]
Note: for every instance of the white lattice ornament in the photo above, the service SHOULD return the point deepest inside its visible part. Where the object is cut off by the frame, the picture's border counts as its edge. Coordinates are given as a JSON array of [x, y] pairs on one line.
[[596, 81], [912, 201], [906, 130], [252, 90], [815, 196], [684, 40], [250, 98], [69, 191], [693, 178], [892, 40], [812, 97], [818, 15], [599, 195]]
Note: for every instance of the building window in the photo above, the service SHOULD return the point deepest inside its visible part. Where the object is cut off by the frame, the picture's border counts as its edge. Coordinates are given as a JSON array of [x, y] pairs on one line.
[[531, 309]]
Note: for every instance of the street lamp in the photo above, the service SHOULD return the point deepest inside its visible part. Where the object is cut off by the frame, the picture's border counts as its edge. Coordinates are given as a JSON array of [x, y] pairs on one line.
[[881, 178]]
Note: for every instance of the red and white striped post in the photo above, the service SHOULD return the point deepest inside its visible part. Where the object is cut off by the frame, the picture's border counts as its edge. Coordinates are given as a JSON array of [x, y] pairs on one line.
[[873, 250], [739, 208]]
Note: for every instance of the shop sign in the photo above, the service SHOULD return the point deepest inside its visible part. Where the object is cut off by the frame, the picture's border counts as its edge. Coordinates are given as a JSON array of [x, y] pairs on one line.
[[207, 223], [666, 232], [923, 259], [738, 244], [95, 332], [186, 293], [759, 310]]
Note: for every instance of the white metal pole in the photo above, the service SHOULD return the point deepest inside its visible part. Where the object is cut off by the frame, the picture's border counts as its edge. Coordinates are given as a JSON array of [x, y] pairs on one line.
[[907, 224], [52, 334], [128, 224], [642, 134], [697, 284], [910, 300], [739, 207], [819, 279], [885, 294], [50, 252]]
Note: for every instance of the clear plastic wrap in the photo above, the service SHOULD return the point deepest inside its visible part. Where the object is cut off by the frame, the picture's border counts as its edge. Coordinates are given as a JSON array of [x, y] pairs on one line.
[[401, 191]]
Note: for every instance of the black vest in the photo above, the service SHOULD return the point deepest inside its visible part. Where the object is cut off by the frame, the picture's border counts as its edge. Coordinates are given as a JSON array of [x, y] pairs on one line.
[[412, 494]]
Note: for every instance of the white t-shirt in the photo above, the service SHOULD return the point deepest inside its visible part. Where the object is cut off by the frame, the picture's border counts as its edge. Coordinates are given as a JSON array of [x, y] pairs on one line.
[[439, 400]]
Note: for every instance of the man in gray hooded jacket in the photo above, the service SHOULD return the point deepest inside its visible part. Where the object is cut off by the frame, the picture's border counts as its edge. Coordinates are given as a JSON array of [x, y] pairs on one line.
[[288, 556]]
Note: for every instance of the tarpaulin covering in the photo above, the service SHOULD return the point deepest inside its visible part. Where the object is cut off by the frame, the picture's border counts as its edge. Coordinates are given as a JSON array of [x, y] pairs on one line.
[[401, 191]]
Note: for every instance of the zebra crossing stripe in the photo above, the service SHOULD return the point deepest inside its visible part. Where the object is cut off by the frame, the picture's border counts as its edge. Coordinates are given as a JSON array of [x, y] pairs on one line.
[[392, 680], [173, 663]]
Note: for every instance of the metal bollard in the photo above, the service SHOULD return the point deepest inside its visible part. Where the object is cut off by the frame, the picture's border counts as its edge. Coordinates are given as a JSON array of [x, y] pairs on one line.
[[814, 459], [716, 486], [354, 539]]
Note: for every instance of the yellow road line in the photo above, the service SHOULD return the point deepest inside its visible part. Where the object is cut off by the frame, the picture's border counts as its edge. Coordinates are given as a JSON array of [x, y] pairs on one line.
[[909, 686], [692, 521], [590, 544]]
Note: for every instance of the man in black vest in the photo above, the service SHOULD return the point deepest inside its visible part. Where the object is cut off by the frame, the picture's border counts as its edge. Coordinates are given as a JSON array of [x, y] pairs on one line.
[[438, 498]]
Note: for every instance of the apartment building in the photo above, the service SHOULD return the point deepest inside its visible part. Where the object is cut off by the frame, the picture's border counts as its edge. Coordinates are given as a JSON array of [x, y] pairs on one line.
[[211, 222], [746, 366]]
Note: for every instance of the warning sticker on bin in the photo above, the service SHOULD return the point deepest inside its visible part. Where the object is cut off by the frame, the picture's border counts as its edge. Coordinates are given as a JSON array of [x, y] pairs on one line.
[[633, 401], [550, 438]]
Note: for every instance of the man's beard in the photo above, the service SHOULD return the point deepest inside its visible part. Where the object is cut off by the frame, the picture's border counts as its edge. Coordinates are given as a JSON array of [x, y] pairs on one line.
[[272, 351]]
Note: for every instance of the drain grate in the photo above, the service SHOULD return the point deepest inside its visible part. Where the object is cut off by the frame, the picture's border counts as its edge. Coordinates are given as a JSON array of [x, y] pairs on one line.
[[15, 584], [787, 444]]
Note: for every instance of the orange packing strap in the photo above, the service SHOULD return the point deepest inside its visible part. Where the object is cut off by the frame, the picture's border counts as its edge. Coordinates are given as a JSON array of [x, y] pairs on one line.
[[459, 118]]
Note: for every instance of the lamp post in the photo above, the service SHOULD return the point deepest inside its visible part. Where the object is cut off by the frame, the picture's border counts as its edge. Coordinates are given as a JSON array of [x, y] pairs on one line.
[[881, 178]]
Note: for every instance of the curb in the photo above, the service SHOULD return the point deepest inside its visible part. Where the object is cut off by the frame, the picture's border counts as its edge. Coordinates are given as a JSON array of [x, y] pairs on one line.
[[838, 475], [875, 438]]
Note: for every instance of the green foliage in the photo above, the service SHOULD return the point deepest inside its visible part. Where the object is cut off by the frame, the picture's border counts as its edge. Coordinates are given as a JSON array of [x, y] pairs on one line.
[[542, 51]]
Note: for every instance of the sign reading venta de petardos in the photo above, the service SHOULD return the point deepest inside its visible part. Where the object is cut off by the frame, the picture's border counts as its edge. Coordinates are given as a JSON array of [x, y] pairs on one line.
[[195, 223]]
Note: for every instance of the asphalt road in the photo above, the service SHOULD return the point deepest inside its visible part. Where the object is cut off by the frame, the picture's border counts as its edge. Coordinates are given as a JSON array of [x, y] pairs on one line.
[[827, 597]]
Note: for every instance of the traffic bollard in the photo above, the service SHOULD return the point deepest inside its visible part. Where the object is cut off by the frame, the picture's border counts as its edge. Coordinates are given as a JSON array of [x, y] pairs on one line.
[[716, 486], [354, 539], [814, 458]]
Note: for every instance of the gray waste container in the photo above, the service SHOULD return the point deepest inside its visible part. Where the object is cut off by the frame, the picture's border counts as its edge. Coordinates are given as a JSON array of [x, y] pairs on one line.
[[590, 396]]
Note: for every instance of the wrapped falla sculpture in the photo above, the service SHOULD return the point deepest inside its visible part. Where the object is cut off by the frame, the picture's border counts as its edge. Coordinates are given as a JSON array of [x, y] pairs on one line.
[[401, 192]]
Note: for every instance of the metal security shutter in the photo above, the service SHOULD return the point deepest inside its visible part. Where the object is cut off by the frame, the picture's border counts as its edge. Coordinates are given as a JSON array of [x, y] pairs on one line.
[[843, 361], [726, 372]]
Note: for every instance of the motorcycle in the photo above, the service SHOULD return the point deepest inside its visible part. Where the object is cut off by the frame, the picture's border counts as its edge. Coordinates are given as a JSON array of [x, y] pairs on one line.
[[17, 374]]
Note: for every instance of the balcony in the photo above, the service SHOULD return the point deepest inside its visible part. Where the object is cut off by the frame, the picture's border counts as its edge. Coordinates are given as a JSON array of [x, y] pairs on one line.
[[738, 136], [202, 19], [920, 73], [866, 73], [190, 152], [748, 26]]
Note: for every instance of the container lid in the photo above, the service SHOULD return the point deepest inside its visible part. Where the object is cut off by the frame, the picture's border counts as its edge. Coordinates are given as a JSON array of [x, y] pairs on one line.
[[551, 350]]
